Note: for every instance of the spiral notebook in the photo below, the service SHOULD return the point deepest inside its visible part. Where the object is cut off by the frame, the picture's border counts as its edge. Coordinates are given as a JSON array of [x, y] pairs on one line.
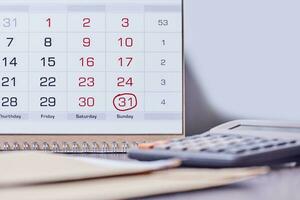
[[90, 76]]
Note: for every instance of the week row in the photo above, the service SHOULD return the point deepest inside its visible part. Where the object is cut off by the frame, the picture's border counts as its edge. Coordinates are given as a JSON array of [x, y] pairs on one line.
[[91, 62], [112, 42], [91, 102], [78, 81]]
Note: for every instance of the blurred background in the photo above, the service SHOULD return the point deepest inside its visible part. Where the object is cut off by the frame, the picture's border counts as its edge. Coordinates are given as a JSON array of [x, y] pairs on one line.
[[242, 61]]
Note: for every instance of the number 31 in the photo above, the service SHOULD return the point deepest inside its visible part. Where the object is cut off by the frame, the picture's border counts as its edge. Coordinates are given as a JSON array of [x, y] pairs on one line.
[[8, 22]]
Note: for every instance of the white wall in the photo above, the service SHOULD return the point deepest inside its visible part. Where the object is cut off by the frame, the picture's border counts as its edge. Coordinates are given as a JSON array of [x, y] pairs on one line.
[[243, 60]]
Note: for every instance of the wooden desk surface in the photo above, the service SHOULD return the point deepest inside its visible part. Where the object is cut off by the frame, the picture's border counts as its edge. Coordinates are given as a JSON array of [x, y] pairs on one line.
[[281, 184]]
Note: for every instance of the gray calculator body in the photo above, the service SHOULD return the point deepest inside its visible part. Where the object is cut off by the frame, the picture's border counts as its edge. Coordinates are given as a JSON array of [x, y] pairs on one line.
[[268, 129], [233, 144]]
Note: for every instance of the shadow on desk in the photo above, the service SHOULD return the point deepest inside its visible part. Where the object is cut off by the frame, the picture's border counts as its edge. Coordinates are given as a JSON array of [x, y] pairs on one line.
[[281, 184]]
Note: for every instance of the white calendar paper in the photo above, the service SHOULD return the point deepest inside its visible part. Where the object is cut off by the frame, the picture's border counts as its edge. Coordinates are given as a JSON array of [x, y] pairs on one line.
[[91, 67]]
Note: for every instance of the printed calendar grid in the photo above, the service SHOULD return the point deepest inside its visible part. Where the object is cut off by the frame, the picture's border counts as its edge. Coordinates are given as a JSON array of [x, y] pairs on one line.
[[67, 52]]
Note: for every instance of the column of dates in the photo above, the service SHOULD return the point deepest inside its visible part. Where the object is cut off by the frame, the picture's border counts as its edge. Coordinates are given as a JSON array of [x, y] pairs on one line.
[[48, 63], [86, 63], [163, 62], [125, 62], [13, 63]]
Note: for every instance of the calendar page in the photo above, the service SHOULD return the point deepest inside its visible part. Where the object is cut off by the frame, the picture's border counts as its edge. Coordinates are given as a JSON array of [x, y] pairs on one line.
[[91, 67]]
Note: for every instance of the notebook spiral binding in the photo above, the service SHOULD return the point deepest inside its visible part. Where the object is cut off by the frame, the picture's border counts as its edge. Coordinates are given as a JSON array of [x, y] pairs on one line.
[[74, 147]]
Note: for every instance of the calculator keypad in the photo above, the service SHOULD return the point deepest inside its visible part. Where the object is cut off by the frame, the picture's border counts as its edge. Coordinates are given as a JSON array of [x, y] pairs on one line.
[[225, 143]]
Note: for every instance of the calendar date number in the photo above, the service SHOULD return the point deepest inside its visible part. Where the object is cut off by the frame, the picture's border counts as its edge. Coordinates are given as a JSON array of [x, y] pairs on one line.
[[9, 101], [125, 102]]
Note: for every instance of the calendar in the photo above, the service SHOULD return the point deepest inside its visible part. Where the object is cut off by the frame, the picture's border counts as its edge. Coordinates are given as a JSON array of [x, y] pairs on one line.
[[91, 67]]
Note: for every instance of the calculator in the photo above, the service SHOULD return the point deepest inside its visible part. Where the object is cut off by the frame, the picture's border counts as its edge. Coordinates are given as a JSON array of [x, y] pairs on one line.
[[234, 144]]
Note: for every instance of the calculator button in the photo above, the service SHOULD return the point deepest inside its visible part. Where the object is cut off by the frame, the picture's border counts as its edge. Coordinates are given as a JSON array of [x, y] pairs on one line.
[[221, 150], [179, 147], [268, 145], [254, 148], [232, 143], [263, 140], [197, 148], [293, 142], [224, 135], [247, 140], [202, 149], [281, 143], [238, 145], [215, 150], [251, 143], [235, 151], [275, 139]]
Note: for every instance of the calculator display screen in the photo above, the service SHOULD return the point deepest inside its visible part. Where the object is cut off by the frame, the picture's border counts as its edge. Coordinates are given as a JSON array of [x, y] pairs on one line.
[[91, 67], [267, 128]]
